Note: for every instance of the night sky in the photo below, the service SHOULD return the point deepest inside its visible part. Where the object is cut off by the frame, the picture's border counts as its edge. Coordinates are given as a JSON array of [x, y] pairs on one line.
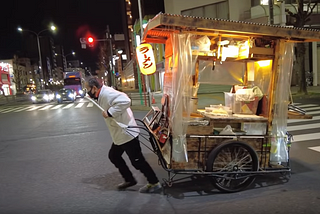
[[73, 18]]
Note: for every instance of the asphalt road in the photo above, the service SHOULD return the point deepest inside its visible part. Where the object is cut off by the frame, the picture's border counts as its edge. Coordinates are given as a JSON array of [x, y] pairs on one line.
[[56, 161]]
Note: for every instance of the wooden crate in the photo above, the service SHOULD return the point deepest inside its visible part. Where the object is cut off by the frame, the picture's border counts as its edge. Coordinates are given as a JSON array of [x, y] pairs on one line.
[[200, 130], [196, 157]]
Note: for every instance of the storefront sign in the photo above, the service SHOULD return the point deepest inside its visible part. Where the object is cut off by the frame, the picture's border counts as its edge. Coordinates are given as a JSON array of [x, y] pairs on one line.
[[146, 59], [4, 67]]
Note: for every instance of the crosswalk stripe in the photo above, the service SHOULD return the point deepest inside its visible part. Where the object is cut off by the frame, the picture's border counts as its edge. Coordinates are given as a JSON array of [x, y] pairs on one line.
[[305, 137], [305, 105], [5, 109], [303, 127], [68, 106], [46, 107], [34, 108], [303, 120], [312, 108], [57, 106], [313, 112], [315, 148], [79, 105], [13, 109], [90, 105], [22, 109]]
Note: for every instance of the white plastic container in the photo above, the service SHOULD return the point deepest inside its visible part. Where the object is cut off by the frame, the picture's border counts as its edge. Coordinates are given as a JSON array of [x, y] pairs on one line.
[[254, 128], [228, 99]]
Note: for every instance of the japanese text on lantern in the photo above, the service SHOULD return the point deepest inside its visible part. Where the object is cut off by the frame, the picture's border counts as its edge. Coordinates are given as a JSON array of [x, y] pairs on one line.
[[146, 59]]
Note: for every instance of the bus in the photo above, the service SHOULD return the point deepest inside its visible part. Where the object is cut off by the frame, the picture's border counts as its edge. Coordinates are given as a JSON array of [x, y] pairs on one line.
[[73, 80]]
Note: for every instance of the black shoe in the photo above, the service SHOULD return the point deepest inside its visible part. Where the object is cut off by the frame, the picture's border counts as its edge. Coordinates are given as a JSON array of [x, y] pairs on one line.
[[125, 185]]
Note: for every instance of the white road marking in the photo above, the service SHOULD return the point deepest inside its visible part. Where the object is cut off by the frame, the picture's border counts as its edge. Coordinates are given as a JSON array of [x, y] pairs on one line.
[[57, 106], [303, 120], [311, 109], [24, 109], [34, 108], [79, 105], [46, 107], [313, 112], [13, 109], [303, 127], [315, 148], [305, 105], [305, 137], [5, 109], [90, 105], [68, 106]]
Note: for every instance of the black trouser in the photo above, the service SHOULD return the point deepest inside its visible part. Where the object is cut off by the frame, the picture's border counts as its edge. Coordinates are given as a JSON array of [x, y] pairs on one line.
[[133, 150]]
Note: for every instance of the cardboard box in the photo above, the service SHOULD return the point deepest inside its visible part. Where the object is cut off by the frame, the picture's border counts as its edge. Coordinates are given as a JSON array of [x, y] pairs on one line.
[[245, 107]]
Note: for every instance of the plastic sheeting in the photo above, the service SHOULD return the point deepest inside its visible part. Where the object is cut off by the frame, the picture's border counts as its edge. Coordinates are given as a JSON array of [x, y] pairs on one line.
[[279, 151], [221, 73], [178, 85]]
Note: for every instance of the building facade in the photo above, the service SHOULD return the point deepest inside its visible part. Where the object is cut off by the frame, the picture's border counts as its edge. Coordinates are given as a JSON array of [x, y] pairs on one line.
[[132, 32], [7, 85], [17, 75]]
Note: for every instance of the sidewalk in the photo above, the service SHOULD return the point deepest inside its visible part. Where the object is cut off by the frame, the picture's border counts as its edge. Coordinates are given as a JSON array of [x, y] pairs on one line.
[[312, 91], [14, 99]]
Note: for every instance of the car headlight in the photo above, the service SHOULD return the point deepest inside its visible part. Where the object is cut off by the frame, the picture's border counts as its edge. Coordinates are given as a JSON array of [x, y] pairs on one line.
[[58, 96], [80, 92], [46, 97], [71, 95], [33, 98]]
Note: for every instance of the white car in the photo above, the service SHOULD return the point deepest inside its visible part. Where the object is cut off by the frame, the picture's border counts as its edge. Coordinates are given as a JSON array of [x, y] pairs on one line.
[[42, 96]]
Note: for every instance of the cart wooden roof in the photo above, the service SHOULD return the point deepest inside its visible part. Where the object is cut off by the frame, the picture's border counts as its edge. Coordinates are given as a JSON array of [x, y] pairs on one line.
[[162, 25]]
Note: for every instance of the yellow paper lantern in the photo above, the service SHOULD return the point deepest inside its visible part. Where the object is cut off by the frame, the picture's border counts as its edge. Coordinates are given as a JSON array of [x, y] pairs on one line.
[[146, 59]]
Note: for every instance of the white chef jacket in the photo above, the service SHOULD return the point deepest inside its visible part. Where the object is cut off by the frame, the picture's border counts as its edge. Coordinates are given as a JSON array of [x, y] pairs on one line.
[[118, 105]]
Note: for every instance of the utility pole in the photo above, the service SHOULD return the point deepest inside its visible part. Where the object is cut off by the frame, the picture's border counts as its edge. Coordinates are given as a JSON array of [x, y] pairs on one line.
[[271, 17], [108, 37], [144, 77]]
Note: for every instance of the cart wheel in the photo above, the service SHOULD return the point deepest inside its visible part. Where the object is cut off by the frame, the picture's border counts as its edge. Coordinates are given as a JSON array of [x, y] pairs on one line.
[[232, 156]]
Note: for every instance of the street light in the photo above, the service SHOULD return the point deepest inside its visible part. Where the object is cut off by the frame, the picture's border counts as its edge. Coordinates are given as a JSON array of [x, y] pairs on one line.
[[53, 28], [73, 53]]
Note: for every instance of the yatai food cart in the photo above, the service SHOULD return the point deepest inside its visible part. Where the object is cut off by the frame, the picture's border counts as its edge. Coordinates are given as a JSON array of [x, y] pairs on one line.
[[245, 137]]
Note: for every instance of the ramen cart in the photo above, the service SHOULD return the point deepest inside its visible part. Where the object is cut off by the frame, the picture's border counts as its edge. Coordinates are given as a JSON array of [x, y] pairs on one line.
[[246, 135]]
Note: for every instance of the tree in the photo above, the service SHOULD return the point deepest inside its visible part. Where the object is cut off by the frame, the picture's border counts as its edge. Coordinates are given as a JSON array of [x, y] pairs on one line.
[[17, 72], [300, 20], [104, 62]]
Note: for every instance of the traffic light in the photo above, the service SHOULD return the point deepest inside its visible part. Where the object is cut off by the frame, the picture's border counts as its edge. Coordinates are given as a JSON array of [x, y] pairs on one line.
[[90, 41]]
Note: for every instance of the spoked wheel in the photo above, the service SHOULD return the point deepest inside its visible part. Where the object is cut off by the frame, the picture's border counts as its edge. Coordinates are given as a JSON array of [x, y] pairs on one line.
[[233, 156]]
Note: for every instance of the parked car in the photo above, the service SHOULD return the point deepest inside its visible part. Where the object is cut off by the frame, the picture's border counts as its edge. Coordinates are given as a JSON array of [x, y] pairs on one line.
[[66, 95], [45, 95]]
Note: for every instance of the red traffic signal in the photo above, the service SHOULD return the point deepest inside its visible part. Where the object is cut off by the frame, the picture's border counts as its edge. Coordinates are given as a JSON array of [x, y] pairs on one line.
[[90, 39]]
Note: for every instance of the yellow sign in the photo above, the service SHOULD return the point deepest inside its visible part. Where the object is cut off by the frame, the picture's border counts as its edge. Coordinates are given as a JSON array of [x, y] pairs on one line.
[[146, 59]]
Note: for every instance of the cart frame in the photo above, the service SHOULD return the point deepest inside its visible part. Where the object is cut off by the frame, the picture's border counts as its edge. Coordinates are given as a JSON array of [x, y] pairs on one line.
[[231, 161], [156, 147]]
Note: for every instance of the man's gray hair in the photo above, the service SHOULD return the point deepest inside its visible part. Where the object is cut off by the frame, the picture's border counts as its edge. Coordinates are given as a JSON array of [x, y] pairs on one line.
[[93, 81]]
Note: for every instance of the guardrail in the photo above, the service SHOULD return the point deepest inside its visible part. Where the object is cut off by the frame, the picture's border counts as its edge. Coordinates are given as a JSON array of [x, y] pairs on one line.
[[13, 98], [135, 97]]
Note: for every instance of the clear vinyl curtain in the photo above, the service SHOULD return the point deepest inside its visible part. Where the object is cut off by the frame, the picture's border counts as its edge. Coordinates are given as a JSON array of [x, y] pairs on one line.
[[179, 68], [279, 151]]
